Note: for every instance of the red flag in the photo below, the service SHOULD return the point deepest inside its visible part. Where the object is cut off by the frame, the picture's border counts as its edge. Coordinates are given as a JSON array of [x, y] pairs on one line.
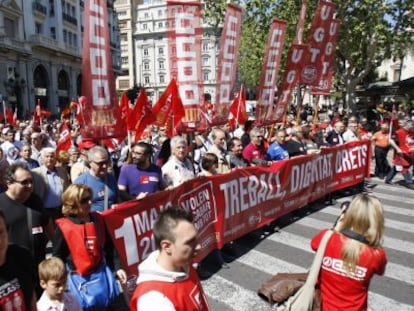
[[169, 109], [125, 109], [238, 107], [9, 115], [142, 115], [65, 112], [37, 113], [65, 139], [80, 109]]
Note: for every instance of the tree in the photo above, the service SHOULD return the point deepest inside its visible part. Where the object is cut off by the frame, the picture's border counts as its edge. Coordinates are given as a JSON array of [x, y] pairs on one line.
[[371, 32]]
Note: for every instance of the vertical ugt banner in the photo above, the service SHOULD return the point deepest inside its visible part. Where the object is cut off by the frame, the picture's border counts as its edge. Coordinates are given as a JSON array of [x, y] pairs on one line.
[[184, 46], [98, 85], [320, 47], [266, 110], [227, 64]]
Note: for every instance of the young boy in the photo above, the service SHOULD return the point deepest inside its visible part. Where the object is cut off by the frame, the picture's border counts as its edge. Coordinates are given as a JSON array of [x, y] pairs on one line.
[[52, 275]]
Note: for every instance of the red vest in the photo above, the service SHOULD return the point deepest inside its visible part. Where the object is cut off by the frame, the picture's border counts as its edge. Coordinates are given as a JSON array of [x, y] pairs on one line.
[[185, 295], [85, 243]]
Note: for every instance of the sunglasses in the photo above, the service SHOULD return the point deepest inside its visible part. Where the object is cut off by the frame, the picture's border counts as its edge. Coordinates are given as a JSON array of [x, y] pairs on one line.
[[101, 163], [85, 200], [25, 182]]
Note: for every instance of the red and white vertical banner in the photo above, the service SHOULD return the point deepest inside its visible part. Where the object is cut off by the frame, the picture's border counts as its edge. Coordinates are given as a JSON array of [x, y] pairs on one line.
[[101, 112], [227, 64], [318, 44], [184, 45], [265, 110], [325, 81], [301, 22], [297, 54]]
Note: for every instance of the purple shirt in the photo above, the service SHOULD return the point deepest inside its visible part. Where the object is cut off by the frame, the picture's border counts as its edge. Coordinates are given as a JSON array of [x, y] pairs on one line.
[[140, 180]]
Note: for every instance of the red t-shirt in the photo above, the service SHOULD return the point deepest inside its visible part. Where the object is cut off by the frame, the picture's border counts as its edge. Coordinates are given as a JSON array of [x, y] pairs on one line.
[[251, 152], [340, 291], [405, 140]]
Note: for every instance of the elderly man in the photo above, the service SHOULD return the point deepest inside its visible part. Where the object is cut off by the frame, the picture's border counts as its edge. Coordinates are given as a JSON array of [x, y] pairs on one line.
[[255, 151], [102, 183], [219, 149], [277, 151], [296, 146], [36, 140], [334, 137], [50, 182], [139, 177], [178, 168]]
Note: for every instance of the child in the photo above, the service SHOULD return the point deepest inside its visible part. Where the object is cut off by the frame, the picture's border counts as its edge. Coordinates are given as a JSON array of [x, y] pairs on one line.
[[52, 275]]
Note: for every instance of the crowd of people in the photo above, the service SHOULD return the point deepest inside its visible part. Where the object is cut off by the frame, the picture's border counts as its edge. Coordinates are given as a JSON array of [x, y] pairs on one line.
[[50, 196]]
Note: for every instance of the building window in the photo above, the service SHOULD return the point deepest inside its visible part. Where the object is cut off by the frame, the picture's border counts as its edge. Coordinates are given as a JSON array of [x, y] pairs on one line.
[[205, 61], [161, 64], [51, 8], [160, 25], [124, 60], [144, 26], [205, 46], [162, 79], [159, 12], [53, 32], [38, 28], [161, 51], [146, 79], [205, 76], [123, 84], [146, 66], [65, 36], [145, 52]]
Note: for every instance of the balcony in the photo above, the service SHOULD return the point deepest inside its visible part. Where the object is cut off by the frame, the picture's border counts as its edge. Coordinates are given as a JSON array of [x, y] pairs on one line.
[[9, 44], [70, 19], [38, 7]]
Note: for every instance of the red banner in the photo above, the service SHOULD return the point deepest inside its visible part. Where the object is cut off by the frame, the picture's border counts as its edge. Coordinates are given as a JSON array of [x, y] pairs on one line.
[[227, 65], [184, 44], [226, 207], [298, 53], [101, 112], [301, 22], [319, 45], [325, 80], [265, 109]]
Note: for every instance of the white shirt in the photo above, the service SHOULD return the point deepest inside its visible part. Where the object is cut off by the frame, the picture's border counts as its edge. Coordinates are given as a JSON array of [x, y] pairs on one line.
[[175, 172], [68, 303]]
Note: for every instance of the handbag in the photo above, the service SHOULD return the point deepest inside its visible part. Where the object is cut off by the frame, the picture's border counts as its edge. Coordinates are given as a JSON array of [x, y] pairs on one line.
[[303, 299], [96, 290]]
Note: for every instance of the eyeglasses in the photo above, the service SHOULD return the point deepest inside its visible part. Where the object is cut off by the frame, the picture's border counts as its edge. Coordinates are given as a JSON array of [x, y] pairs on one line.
[[138, 153], [102, 163], [85, 200], [25, 182]]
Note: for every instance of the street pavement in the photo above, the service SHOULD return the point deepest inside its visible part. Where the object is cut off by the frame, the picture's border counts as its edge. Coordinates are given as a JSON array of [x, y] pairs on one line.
[[258, 256]]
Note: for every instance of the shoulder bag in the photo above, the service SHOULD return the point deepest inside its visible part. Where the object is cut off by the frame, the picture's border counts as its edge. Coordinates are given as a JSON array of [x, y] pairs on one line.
[[303, 299]]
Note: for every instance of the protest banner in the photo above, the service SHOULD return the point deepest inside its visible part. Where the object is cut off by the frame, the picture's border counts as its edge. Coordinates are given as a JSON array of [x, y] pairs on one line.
[[228, 206]]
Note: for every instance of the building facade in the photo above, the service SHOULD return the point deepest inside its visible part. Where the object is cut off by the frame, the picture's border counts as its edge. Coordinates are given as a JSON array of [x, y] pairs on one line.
[[150, 39], [41, 52]]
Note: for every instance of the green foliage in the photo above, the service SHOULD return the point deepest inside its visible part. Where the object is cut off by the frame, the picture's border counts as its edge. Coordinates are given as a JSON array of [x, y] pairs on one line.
[[371, 32]]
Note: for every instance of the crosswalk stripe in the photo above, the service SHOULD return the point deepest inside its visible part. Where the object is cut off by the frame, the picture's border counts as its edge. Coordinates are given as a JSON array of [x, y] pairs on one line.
[[388, 208], [390, 223], [392, 197], [271, 266], [399, 245], [233, 295], [393, 270]]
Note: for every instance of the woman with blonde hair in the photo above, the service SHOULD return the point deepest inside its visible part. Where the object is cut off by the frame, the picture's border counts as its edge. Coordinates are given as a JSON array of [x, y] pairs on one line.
[[82, 242], [353, 255]]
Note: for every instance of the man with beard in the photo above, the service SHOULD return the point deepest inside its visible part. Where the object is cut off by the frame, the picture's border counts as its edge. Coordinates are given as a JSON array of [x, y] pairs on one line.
[[139, 177]]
